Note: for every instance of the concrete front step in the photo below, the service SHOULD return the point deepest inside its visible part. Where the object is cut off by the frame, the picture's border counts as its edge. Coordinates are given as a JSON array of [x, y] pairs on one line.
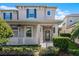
[[46, 44]]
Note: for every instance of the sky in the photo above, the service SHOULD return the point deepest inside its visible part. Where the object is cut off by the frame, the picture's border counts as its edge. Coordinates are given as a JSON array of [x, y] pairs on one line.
[[63, 9]]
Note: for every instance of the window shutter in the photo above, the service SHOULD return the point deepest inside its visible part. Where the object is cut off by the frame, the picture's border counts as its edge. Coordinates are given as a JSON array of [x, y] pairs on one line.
[[27, 14], [34, 13], [10, 15], [4, 15], [17, 15]]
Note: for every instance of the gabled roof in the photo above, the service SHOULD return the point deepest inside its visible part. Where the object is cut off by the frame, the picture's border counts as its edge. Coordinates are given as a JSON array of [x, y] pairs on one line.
[[72, 15]]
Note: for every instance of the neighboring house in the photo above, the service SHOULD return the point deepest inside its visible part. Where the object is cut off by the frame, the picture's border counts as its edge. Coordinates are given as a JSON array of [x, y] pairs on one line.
[[31, 24], [69, 22]]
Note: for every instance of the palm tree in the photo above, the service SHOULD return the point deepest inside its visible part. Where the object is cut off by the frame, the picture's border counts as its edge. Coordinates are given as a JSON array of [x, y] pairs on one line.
[[75, 31]]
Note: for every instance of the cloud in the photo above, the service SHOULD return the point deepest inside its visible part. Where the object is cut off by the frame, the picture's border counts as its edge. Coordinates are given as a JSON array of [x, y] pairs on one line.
[[61, 14], [7, 8]]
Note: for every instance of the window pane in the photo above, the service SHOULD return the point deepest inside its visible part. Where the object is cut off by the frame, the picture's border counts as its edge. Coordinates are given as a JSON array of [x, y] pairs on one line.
[[7, 15], [15, 33], [53, 29], [31, 13], [28, 32]]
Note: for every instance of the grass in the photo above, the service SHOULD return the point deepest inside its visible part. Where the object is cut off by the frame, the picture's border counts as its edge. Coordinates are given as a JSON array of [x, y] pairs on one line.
[[72, 45]]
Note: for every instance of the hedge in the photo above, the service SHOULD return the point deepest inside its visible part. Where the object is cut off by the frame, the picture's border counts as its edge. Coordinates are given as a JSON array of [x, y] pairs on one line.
[[65, 35], [17, 51], [61, 42], [50, 51]]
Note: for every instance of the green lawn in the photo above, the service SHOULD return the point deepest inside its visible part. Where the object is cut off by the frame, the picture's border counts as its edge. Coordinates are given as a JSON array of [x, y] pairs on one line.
[[72, 45]]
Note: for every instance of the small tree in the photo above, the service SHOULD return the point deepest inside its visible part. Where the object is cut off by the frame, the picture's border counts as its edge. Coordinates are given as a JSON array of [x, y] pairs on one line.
[[5, 31]]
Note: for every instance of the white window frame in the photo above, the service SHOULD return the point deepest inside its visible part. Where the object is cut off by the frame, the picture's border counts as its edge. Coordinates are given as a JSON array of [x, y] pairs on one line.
[[17, 31], [31, 29]]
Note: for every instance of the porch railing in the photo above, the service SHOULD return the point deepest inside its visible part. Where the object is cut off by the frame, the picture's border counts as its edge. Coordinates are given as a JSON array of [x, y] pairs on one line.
[[22, 41]]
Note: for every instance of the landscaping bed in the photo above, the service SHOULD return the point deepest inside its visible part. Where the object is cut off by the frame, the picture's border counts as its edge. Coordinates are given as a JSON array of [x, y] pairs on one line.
[[19, 50], [66, 46]]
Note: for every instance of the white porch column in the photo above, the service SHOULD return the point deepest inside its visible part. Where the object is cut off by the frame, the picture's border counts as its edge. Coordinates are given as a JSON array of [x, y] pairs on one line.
[[41, 35], [24, 35], [38, 34], [1, 14], [20, 34]]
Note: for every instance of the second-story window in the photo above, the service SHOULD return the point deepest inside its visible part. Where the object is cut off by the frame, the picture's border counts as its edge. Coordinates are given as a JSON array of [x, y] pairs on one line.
[[7, 16], [31, 13]]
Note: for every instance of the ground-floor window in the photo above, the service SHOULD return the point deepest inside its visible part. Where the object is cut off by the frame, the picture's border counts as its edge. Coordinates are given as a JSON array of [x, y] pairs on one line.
[[28, 31], [15, 31], [53, 29]]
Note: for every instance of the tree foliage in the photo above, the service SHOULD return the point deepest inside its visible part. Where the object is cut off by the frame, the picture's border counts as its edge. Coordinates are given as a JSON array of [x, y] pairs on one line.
[[5, 30], [75, 31]]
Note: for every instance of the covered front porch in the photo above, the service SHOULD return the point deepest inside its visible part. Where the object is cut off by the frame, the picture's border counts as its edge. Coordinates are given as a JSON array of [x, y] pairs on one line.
[[32, 33]]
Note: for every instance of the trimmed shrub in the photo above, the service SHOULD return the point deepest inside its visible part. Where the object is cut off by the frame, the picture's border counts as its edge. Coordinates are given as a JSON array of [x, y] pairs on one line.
[[65, 35], [61, 42], [28, 51], [50, 51], [17, 51], [5, 49]]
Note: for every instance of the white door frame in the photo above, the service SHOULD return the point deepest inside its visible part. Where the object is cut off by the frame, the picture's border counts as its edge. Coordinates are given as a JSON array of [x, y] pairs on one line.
[[44, 34]]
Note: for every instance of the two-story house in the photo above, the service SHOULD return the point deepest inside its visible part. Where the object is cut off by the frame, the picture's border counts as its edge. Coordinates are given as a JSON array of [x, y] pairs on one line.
[[31, 24]]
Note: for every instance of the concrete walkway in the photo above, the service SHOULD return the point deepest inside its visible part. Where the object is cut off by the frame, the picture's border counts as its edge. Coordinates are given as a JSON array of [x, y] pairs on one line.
[[46, 44]]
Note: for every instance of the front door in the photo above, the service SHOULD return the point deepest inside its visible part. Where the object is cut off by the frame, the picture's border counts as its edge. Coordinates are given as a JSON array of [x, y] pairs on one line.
[[47, 35]]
